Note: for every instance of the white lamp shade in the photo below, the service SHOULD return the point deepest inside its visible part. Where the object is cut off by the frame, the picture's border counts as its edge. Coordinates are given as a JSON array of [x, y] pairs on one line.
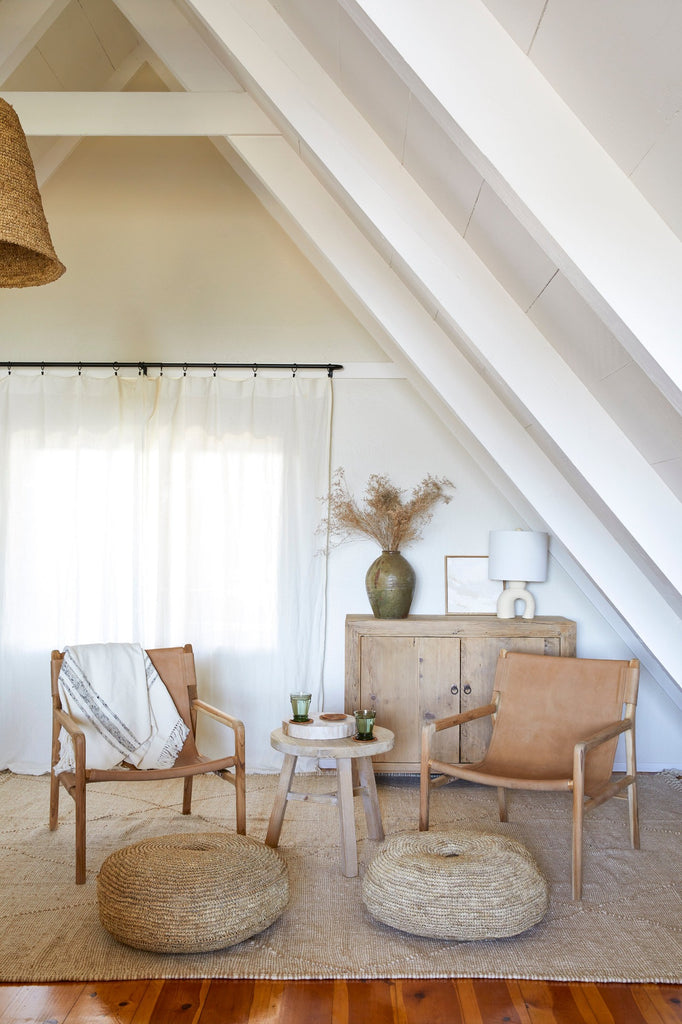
[[517, 555]]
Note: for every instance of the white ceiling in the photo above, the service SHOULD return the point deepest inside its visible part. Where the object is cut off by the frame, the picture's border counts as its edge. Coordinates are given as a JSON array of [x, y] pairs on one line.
[[521, 343]]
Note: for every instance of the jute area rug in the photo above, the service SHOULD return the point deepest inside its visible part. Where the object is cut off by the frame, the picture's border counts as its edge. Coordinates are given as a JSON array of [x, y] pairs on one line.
[[628, 926]]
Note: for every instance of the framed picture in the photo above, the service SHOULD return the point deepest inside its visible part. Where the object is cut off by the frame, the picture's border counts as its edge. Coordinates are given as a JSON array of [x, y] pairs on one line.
[[467, 587]]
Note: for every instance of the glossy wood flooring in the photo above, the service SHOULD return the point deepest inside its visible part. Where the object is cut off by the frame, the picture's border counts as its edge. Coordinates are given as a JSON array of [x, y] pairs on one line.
[[460, 1001]]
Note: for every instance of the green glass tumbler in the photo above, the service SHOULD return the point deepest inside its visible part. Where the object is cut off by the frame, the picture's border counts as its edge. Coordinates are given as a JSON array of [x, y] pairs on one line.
[[300, 705], [364, 723]]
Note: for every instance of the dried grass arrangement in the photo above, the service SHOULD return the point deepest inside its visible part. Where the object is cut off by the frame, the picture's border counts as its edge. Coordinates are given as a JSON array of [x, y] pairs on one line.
[[384, 514]]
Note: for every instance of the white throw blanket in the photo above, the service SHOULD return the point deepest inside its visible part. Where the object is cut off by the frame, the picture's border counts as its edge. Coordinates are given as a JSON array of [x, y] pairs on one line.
[[114, 693]]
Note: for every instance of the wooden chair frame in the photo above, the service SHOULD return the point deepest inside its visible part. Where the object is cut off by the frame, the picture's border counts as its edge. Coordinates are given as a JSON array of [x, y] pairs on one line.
[[573, 781], [176, 668]]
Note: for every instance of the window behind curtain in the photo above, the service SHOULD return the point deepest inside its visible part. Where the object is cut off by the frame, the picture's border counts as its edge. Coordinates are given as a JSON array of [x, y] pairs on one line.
[[162, 511]]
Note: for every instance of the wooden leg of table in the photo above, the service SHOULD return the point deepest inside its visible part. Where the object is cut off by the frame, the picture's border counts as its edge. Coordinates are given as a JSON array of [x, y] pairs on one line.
[[375, 829], [349, 853], [280, 804]]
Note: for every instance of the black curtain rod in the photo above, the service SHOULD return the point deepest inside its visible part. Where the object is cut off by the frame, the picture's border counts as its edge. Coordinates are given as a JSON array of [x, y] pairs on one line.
[[142, 367]]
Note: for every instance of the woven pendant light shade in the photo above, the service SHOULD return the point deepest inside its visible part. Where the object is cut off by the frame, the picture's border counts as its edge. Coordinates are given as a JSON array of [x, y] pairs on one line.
[[26, 253]]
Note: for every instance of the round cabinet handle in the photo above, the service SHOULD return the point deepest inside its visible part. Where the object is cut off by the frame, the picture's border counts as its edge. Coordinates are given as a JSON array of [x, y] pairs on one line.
[[467, 689], [454, 689]]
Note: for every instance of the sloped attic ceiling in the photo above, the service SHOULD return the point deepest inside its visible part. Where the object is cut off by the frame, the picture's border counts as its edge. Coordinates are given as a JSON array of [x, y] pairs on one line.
[[508, 234]]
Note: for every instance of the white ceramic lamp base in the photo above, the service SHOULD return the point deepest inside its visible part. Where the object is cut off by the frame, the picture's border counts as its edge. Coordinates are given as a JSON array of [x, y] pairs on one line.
[[515, 590]]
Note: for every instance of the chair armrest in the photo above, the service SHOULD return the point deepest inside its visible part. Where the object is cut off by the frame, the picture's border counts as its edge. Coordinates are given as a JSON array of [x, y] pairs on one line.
[[67, 722], [461, 718], [77, 735], [607, 733], [220, 716]]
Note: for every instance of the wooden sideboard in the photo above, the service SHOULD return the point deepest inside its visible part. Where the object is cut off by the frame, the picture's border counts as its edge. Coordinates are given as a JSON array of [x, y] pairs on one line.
[[426, 666]]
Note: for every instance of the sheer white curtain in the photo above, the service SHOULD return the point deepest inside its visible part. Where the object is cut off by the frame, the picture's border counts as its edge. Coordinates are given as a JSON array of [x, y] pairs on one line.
[[162, 511]]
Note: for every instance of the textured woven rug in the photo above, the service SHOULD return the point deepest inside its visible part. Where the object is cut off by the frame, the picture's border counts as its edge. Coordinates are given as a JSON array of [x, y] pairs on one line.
[[628, 926]]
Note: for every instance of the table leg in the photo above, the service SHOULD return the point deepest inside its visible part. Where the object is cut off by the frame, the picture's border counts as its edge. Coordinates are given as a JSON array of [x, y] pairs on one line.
[[349, 852], [277, 815], [375, 829]]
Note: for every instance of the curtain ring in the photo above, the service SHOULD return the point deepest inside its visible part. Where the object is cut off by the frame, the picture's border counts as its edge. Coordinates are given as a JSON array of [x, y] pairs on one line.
[[255, 369], [184, 369], [160, 369], [294, 368], [80, 369], [215, 369], [42, 369], [114, 367], [9, 369]]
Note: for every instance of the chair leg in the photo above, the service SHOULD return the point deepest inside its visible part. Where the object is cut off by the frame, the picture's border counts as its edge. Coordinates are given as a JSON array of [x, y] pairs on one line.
[[631, 764], [424, 795], [634, 815], [502, 802], [54, 800], [187, 794], [578, 815], [425, 779], [79, 797], [240, 794]]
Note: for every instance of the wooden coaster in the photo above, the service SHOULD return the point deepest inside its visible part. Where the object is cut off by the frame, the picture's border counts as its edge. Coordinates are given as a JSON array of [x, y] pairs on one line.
[[333, 717]]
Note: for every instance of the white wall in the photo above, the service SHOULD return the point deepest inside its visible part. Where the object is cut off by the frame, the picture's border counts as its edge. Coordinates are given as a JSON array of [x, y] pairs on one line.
[[169, 257]]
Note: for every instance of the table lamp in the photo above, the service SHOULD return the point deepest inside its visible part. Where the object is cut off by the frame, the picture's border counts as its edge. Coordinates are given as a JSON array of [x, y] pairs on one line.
[[517, 557]]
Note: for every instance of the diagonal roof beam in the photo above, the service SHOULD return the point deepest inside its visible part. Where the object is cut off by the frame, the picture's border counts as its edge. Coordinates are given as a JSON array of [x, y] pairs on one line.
[[282, 73], [139, 113], [22, 23], [410, 328], [199, 69], [338, 247], [545, 165]]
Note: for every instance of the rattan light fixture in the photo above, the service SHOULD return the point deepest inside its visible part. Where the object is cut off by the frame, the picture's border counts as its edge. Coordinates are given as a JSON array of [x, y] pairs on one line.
[[26, 253]]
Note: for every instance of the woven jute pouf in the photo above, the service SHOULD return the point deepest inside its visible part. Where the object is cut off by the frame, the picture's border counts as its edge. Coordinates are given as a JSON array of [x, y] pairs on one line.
[[457, 885], [191, 893]]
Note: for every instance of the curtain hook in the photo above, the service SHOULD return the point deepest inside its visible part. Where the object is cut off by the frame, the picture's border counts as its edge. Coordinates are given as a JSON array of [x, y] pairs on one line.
[[114, 367], [294, 368], [255, 369], [80, 369], [42, 369], [160, 369], [215, 369], [9, 369], [184, 369]]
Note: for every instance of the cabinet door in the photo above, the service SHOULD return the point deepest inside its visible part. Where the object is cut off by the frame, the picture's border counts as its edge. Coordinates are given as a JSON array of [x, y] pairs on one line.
[[478, 664], [389, 682], [439, 691]]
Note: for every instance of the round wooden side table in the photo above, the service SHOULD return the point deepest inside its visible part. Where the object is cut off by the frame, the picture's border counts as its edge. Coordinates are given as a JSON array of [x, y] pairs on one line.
[[346, 752]]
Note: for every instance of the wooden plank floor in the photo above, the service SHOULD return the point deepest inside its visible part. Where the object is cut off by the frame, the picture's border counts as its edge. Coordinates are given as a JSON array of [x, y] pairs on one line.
[[427, 1001]]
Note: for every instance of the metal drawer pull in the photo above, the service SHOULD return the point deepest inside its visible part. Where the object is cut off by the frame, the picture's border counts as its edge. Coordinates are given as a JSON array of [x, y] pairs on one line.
[[467, 689], [454, 688]]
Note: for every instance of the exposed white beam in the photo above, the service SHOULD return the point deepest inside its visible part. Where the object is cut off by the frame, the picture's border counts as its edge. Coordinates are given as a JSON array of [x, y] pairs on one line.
[[449, 374], [546, 166], [137, 113], [198, 69], [61, 150], [273, 62], [22, 23]]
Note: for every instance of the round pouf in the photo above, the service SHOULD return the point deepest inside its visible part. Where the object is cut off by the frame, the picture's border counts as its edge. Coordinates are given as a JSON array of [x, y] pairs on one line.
[[458, 885], [191, 893]]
